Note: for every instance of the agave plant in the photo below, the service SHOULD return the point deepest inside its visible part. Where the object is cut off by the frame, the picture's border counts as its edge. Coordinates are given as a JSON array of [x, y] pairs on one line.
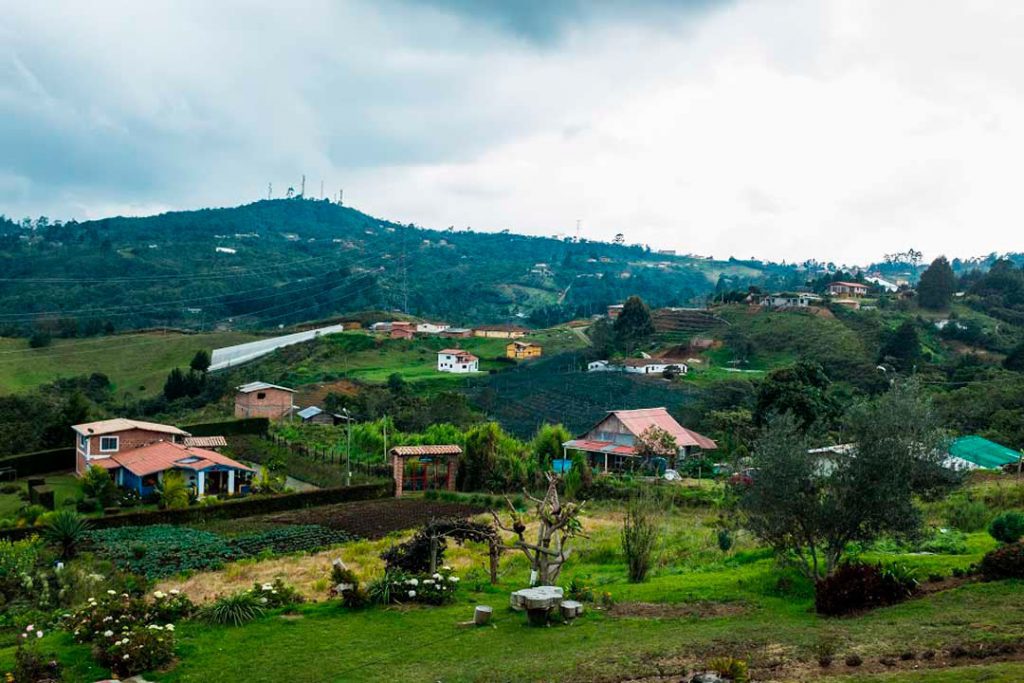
[[234, 610], [65, 529]]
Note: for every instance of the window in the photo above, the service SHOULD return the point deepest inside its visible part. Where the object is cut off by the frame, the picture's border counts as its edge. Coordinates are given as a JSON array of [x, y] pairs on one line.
[[261, 395], [108, 443], [83, 442]]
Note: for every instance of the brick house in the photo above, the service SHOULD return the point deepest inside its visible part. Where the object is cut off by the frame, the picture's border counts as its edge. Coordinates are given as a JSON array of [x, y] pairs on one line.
[[520, 350], [96, 441], [848, 289], [259, 399]]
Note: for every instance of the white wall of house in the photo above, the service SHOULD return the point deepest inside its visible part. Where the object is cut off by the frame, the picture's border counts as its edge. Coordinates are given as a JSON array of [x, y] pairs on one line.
[[449, 362]]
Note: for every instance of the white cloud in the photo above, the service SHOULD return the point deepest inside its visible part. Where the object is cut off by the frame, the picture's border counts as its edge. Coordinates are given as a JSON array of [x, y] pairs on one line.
[[790, 129]]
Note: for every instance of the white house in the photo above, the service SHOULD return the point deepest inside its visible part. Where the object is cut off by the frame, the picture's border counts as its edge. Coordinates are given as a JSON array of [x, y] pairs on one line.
[[787, 300], [638, 366], [457, 360], [431, 328]]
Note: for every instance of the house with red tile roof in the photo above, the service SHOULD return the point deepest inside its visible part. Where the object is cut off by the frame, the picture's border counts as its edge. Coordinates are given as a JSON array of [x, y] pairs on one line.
[[138, 454], [457, 360], [611, 443]]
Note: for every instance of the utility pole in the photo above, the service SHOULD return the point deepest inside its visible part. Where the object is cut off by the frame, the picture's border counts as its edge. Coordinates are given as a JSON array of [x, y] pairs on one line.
[[303, 192], [341, 197], [270, 190], [321, 189], [348, 449]]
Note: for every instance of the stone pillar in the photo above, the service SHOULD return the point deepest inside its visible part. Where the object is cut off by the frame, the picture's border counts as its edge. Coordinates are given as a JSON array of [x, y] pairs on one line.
[[201, 483], [397, 469], [231, 482]]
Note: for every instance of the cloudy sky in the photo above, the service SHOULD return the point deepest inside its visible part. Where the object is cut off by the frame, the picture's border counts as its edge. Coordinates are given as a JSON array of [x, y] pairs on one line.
[[838, 130]]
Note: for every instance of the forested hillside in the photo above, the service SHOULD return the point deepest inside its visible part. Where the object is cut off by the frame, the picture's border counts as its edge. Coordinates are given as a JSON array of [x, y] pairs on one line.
[[282, 261]]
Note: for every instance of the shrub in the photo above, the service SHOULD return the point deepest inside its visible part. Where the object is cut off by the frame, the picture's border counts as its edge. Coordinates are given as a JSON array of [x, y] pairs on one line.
[[431, 589], [113, 613], [233, 610], [1007, 527], [171, 606], [30, 514], [724, 540], [579, 590], [139, 649], [29, 663], [276, 594], [639, 536], [966, 514], [943, 542], [1005, 562], [853, 660], [731, 668], [65, 529], [855, 586], [98, 484], [173, 491]]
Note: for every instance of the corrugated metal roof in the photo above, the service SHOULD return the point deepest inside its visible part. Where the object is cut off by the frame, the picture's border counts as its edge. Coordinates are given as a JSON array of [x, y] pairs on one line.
[[257, 386], [982, 452], [205, 441], [309, 412]]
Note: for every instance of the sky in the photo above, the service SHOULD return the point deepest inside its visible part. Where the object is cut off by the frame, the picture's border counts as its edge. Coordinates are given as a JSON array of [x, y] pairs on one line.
[[778, 129]]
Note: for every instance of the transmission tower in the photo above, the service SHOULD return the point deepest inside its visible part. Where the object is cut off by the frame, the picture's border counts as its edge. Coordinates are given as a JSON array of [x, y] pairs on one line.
[[302, 193], [270, 190]]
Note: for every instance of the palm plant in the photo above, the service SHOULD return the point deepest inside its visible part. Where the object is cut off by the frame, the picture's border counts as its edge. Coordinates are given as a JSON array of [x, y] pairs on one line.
[[65, 529], [234, 610], [173, 490]]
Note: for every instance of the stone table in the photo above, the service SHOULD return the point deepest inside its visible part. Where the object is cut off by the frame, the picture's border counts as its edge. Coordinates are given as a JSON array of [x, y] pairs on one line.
[[537, 602]]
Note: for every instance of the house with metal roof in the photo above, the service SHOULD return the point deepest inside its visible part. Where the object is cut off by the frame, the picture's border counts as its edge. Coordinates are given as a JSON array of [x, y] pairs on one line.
[[611, 444], [975, 452], [260, 399]]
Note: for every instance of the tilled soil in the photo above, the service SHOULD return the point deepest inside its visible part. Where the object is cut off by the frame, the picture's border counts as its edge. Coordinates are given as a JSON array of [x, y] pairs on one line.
[[373, 518]]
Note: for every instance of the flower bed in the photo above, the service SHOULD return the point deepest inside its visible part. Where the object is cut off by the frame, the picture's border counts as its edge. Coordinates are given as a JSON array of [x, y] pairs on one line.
[[430, 589]]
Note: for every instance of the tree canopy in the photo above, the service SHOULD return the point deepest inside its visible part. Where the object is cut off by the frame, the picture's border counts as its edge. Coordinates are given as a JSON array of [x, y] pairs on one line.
[[634, 324], [937, 285]]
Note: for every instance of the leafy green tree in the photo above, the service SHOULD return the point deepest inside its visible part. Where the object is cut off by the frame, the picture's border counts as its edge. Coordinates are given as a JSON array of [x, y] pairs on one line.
[[200, 361], [937, 285], [903, 347], [809, 510], [803, 390], [1015, 359], [97, 483], [65, 529], [634, 325], [602, 337], [734, 430], [40, 339], [547, 444], [655, 442]]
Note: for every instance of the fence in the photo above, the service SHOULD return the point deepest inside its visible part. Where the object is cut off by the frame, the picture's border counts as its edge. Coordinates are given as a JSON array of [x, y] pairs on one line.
[[332, 455]]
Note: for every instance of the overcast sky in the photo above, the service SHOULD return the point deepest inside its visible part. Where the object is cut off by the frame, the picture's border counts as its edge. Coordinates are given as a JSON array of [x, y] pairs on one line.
[[783, 130]]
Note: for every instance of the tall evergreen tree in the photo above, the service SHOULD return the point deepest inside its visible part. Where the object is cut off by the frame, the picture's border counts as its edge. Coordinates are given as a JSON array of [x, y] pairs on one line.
[[937, 285], [634, 324], [903, 348]]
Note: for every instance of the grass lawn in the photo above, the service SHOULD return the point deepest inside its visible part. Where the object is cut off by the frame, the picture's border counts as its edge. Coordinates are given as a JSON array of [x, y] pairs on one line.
[[135, 363], [698, 603], [65, 486]]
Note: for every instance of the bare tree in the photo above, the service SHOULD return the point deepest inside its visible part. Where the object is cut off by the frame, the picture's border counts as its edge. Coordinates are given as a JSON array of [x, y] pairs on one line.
[[558, 524]]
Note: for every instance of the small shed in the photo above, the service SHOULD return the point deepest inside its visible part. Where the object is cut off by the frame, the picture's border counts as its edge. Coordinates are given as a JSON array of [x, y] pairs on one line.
[[422, 468], [316, 415], [260, 399]]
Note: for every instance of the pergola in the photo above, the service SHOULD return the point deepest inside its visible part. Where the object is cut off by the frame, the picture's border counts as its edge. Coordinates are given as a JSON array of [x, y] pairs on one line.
[[419, 468]]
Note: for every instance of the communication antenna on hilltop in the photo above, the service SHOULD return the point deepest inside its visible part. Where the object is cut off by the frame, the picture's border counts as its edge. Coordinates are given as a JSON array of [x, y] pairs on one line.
[[270, 190], [321, 189], [341, 197], [577, 229], [302, 193]]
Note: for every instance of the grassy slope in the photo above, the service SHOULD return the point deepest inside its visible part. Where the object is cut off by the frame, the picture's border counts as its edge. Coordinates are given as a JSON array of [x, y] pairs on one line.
[[130, 361], [328, 643]]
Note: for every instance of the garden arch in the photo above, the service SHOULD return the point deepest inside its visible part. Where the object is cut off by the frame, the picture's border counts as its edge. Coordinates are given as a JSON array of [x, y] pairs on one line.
[[422, 468]]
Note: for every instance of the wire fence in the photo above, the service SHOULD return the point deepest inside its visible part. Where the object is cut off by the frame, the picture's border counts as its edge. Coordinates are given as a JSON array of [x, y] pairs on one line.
[[333, 455]]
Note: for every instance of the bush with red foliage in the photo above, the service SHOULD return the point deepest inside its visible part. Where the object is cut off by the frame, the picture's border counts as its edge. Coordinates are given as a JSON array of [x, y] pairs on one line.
[[855, 586], [1005, 562]]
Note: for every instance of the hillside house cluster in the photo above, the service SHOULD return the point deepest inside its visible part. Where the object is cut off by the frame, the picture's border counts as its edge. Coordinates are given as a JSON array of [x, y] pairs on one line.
[[457, 361], [611, 444], [138, 454]]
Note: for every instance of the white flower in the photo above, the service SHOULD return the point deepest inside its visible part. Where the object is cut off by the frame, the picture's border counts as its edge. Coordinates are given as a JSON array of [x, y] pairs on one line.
[[412, 594], [175, 591], [108, 634], [437, 576], [111, 592], [39, 634], [413, 582], [169, 627], [159, 595], [30, 628], [453, 579], [446, 568], [263, 601], [125, 657], [428, 582], [267, 587], [105, 619], [124, 642]]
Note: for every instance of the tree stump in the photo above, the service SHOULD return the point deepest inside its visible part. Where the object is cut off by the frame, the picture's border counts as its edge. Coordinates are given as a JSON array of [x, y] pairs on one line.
[[482, 615], [570, 609]]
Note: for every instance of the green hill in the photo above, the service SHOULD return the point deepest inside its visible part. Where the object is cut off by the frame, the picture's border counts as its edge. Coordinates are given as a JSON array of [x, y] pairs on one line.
[[282, 261]]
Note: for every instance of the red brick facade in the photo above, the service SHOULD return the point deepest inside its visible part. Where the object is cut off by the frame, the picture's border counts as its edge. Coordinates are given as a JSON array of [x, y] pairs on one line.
[[272, 402]]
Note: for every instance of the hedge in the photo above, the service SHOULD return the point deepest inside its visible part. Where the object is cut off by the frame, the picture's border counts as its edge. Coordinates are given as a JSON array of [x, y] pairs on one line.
[[249, 425], [41, 462], [231, 509]]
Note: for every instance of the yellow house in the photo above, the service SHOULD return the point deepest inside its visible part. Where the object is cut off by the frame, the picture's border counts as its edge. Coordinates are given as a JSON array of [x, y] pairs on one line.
[[520, 350]]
